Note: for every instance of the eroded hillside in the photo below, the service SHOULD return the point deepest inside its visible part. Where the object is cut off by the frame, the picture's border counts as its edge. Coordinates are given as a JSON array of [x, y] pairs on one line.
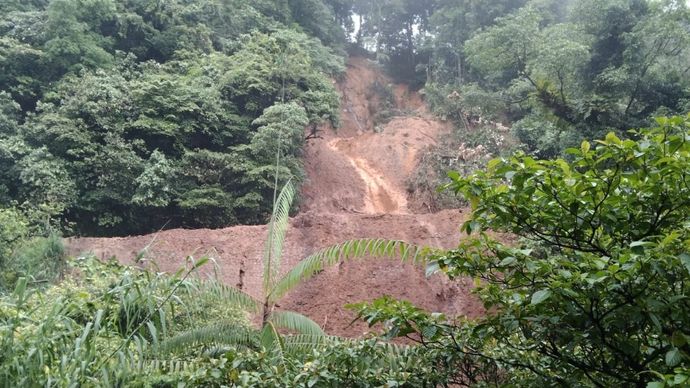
[[356, 187]]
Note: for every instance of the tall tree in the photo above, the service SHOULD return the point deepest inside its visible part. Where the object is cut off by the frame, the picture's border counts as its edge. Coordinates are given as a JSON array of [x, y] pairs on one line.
[[395, 27], [455, 22], [595, 293]]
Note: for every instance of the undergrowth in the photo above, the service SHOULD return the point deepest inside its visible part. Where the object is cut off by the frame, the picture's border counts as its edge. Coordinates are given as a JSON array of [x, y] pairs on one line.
[[108, 325]]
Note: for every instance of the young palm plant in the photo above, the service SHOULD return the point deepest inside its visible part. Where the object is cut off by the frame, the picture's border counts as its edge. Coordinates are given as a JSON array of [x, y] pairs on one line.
[[275, 286], [304, 332]]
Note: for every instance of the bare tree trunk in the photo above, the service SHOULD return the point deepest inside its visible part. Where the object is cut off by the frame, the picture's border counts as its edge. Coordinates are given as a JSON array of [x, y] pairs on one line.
[[460, 69]]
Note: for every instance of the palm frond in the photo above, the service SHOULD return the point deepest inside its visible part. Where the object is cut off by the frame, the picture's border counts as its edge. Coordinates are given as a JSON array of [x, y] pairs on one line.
[[273, 250], [353, 249], [272, 342], [214, 335], [295, 322], [270, 336], [230, 295], [169, 366], [301, 343]]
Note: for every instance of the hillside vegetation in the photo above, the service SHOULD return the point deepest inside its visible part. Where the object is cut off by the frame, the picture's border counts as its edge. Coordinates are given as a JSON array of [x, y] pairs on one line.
[[126, 116]]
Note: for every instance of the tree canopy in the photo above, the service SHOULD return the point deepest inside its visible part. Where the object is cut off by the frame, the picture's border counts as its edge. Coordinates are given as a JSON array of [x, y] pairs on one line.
[[98, 85], [124, 116], [565, 71]]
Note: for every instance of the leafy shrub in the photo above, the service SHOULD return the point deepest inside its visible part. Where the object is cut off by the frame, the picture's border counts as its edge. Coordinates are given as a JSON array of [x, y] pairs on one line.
[[14, 227], [334, 363], [40, 259], [110, 325]]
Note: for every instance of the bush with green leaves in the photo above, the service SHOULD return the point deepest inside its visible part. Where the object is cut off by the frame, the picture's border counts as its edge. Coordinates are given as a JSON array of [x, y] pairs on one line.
[[332, 363], [597, 291], [112, 325], [14, 228], [29, 248], [39, 259]]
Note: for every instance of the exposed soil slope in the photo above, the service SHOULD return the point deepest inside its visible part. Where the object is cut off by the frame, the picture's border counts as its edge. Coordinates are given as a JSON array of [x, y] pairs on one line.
[[355, 188]]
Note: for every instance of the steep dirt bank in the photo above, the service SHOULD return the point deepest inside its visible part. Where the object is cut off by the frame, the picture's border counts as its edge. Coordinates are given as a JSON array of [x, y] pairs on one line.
[[356, 187], [238, 252]]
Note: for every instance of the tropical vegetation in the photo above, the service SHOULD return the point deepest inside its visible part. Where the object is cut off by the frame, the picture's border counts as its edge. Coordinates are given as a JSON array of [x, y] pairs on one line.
[[131, 116], [124, 117]]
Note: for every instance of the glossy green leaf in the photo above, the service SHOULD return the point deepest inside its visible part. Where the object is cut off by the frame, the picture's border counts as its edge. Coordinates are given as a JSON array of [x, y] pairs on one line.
[[540, 296]]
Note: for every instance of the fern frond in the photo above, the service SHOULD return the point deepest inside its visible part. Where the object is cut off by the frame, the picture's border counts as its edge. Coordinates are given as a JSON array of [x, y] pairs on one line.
[[399, 356], [215, 335], [396, 350], [353, 249], [301, 344], [273, 250], [295, 322]]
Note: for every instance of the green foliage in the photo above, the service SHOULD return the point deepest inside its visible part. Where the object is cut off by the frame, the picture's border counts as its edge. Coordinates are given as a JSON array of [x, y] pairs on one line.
[[14, 227], [334, 363], [29, 248], [122, 117], [395, 31], [72, 36], [317, 18], [267, 336], [101, 327], [121, 326], [349, 250], [609, 65], [268, 65], [41, 260], [275, 286], [280, 129], [595, 293], [45, 181], [454, 23], [154, 185], [20, 64], [576, 68], [290, 348]]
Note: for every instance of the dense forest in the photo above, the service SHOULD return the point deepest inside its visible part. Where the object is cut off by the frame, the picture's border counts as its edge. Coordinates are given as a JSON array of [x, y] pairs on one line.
[[126, 117], [122, 117]]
